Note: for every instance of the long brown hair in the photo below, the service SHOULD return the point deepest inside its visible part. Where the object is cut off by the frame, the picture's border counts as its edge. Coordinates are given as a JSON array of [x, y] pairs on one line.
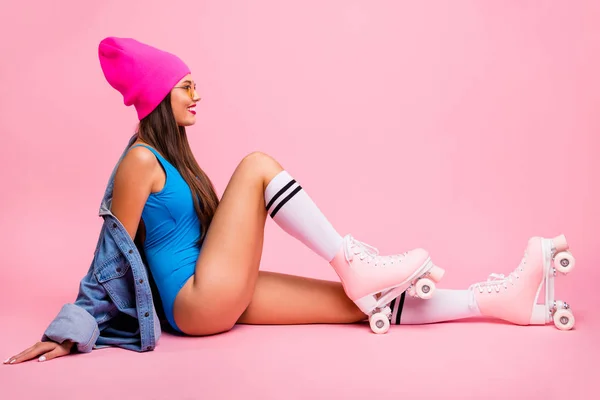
[[160, 130]]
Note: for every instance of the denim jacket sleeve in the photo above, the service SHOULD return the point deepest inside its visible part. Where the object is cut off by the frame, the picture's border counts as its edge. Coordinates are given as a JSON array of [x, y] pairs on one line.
[[79, 322], [114, 305]]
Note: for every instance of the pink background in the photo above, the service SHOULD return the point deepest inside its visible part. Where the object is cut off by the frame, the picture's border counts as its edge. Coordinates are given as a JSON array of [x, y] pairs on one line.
[[464, 127]]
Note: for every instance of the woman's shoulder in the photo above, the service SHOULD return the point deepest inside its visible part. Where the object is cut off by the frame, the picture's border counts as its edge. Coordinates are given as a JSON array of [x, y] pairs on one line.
[[138, 159]]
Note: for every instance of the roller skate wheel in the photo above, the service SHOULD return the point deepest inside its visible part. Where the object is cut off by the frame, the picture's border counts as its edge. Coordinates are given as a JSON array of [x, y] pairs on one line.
[[379, 323], [425, 288], [564, 262], [564, 319]]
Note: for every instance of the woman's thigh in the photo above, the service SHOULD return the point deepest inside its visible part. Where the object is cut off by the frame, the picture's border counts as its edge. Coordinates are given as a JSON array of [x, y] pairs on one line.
[[212, 300]]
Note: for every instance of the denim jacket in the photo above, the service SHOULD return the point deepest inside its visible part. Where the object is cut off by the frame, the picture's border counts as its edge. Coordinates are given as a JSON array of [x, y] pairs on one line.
[[114, 306]]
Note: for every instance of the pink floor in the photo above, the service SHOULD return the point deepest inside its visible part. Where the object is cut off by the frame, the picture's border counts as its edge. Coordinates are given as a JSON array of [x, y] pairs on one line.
[[463, 360]]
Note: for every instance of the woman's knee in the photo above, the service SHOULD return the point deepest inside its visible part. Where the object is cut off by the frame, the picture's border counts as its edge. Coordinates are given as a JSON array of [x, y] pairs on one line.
[[262, 164]]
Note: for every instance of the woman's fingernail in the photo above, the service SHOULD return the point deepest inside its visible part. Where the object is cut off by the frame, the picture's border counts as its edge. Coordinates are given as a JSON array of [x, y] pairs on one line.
[[42, 358], [7, 360], [12, 361]]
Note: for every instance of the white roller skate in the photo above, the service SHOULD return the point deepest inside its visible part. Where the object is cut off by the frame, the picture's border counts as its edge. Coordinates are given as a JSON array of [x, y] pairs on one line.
[[514, 298], [372, 281]]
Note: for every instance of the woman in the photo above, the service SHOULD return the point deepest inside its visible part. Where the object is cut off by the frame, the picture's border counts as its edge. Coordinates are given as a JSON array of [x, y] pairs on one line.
[[204, 254]]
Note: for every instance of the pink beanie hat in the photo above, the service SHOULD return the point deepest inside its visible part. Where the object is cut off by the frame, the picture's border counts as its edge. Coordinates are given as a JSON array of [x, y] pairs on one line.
[[144, 75]]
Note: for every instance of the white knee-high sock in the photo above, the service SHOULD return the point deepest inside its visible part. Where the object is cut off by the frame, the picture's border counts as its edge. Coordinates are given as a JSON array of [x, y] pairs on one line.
[[296, 213], [445, 305]]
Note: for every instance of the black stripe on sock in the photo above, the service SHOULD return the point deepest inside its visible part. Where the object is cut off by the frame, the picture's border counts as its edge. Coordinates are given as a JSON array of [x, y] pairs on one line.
[[392, 304], [400, 307], [278, 194], [288, 198]]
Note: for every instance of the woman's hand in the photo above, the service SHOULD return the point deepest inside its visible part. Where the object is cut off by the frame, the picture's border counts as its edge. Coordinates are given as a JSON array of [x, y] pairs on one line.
[[46, 351]]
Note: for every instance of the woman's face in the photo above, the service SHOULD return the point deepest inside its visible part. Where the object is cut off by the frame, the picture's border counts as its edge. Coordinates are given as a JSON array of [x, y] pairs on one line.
[[183, 101]]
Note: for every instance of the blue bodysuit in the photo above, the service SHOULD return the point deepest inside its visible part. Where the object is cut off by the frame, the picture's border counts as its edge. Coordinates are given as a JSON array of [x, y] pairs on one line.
[[172, 231]]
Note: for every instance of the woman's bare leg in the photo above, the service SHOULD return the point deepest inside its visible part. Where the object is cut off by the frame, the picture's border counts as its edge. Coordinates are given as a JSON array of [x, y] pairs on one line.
[[223, 284], [286, 299]]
